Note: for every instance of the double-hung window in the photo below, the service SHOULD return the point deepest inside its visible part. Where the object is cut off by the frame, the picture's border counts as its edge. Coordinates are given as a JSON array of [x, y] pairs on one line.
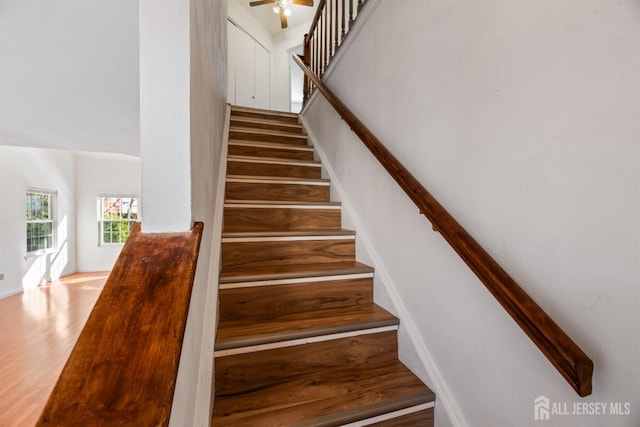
[[40, 221], [117, 215]]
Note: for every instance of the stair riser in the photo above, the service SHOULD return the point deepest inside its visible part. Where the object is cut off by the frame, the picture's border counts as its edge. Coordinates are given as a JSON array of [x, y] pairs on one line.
[[242, 135], [279, 192], [238, 373], [264, 302], [271, 169], [285, 219], [295, 252], [264, 116], [279, 153], [271, 126]]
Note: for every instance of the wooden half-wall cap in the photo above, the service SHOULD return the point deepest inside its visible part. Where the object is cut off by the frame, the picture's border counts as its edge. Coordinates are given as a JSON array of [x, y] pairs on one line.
[[123, 368]]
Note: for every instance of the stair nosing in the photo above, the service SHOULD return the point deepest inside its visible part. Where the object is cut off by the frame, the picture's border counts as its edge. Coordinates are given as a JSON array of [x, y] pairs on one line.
[[362, 413], [256, 340], [273, 160], [268, 132], [294, 280], [300, 233], [256, 239], [274, 145], [357, 268], [392, 415], [301, 341], [277, 204]]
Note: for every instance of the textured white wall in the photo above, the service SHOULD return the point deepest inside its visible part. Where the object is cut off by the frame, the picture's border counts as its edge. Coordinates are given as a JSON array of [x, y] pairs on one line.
[[22, 168], [522, 119], [69, 74], [96, 174]]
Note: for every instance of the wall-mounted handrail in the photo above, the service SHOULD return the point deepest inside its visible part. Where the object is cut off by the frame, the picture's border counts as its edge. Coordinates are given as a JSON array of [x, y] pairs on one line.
[[568, 358]]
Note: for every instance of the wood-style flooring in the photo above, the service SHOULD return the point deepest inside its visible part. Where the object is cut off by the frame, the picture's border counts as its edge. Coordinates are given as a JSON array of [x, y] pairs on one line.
[[39, 328]]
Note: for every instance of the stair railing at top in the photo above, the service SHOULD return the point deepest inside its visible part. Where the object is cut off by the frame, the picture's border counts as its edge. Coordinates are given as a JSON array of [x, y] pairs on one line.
[[333, 21], [568, 358]]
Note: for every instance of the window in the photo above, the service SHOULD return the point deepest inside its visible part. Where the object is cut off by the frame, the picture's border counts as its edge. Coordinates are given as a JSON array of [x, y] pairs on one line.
[[39, 215], [118, 214]]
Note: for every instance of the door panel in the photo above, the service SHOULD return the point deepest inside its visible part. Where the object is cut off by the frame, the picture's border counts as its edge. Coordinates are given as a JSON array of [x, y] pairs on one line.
[[245, 69], [262, 77]]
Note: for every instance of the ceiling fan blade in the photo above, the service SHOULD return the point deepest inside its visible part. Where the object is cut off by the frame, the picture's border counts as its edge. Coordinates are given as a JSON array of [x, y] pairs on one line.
[[303, 2], [261, 2], [283, 18]]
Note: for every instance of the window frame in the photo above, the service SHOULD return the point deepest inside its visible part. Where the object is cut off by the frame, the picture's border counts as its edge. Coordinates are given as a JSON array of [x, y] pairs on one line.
[[101, 219], [52, 219]]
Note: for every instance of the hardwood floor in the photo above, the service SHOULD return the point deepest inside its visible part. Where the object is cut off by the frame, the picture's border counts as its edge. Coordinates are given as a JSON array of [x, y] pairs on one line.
[[39, 329]]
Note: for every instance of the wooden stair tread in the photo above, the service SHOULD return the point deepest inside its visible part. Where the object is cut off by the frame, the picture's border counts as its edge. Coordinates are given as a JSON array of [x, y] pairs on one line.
[[267, 122], [271, 145], [275, 113], [332, 397], [290, 326], [266, 133], [278, 160], [292, 271], [276, 179]]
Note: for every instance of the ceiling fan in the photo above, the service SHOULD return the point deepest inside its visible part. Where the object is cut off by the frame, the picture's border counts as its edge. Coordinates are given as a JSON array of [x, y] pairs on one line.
[[281, 7]]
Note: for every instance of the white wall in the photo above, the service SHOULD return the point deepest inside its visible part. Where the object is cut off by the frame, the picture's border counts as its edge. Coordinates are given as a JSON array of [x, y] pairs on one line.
[[97, 174], [164, 115], [281, 63], [208, 85], [69, 74], [522, 119], [22, 168]]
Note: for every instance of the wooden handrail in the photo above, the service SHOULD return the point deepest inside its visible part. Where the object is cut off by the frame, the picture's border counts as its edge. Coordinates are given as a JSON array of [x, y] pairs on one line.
[[568, 358], [314, 23], [123, 368]]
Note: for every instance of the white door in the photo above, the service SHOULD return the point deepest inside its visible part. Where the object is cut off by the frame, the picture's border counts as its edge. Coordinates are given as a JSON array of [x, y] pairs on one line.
[[262, 77], [249, 70], [245, 69]]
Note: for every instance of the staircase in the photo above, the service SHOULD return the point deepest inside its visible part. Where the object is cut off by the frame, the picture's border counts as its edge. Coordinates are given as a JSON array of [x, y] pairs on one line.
[[300, 341]]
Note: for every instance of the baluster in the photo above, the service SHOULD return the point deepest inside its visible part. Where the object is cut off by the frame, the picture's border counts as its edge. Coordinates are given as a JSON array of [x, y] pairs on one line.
[[315, 51], [350, 14], [330, 33], [344, 10], [321, 45], [335, 39], [325, 33], [307, 62]]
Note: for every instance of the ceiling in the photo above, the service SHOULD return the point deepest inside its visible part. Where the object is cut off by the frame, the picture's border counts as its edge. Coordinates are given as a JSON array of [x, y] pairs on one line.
[[271, 22]]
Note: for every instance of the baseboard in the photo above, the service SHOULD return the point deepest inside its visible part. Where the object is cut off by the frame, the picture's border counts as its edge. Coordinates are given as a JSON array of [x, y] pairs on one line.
[[443, 394], [10, 293]]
